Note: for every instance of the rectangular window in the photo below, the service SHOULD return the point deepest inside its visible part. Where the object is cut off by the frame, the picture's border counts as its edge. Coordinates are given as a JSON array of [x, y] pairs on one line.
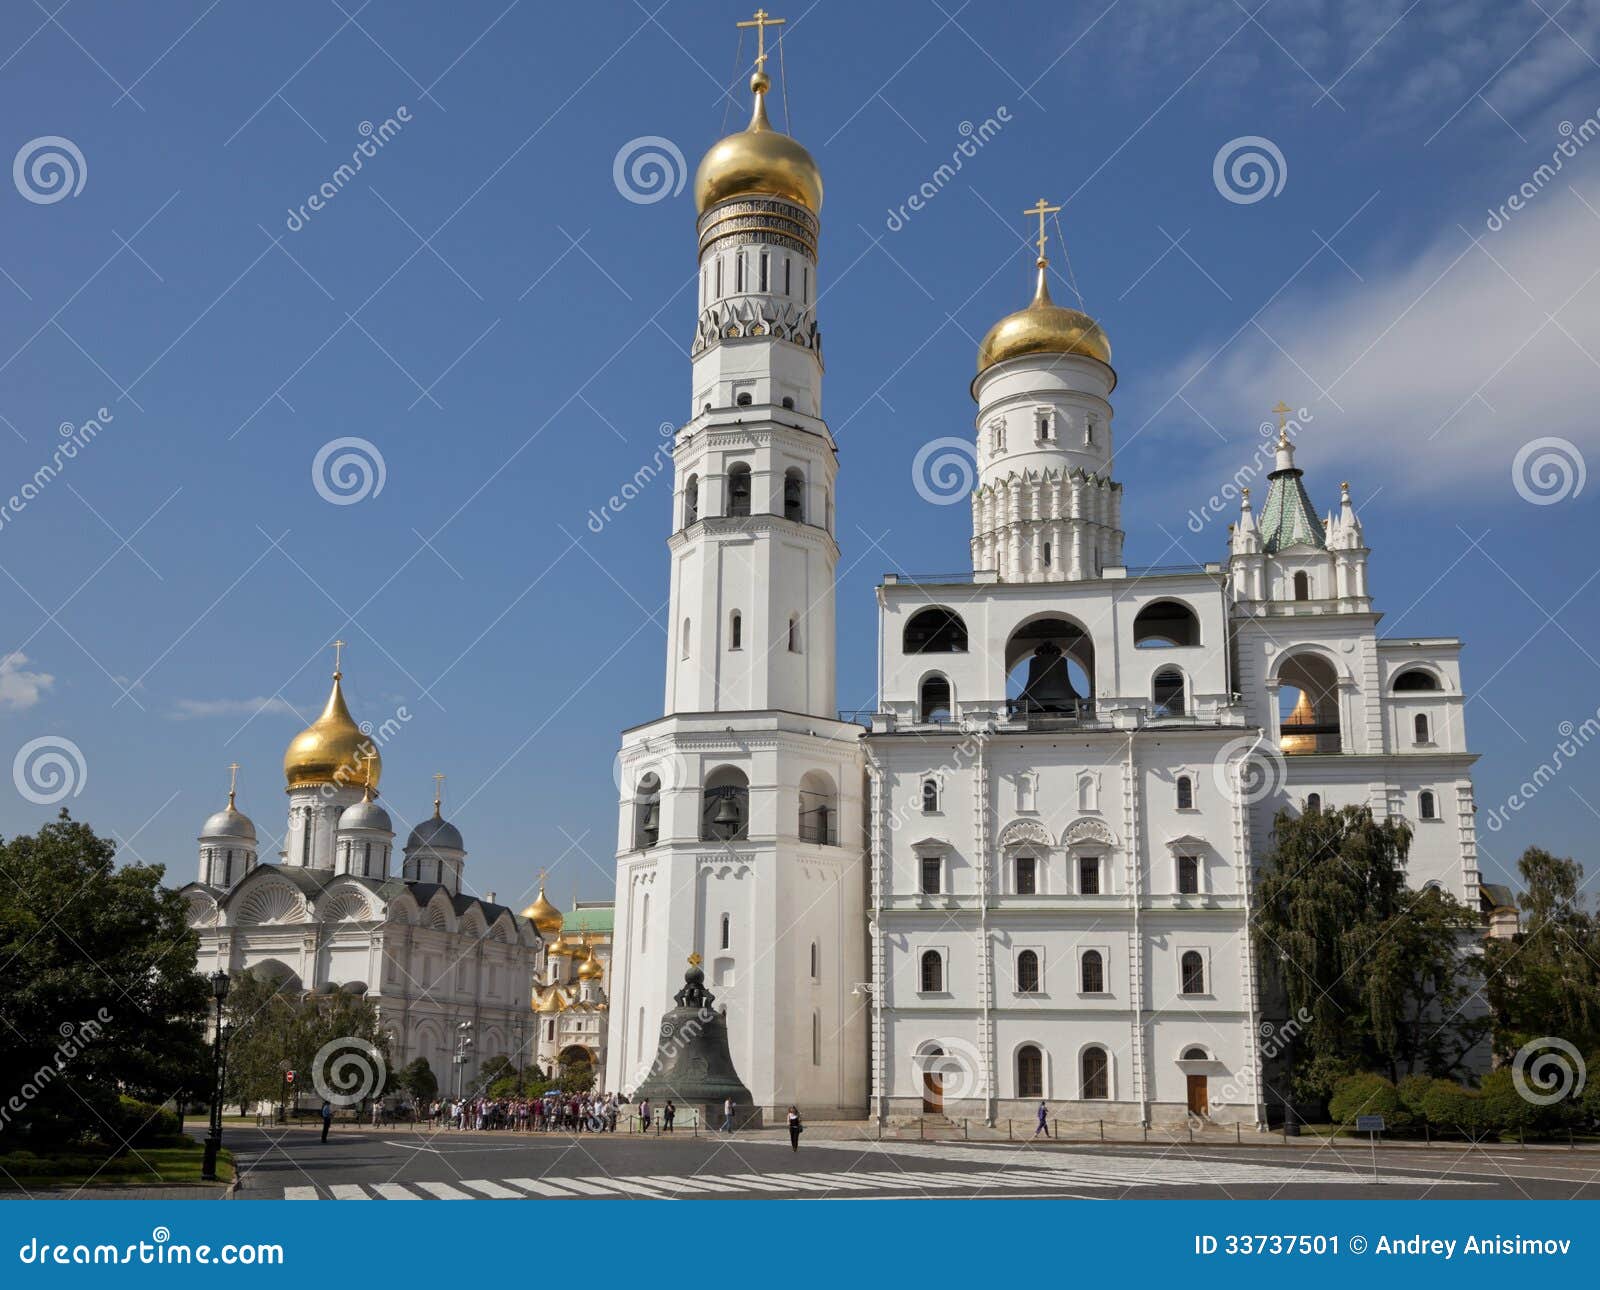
[[787, 264], [1089, 875], [805, 285], [719, 277], [1027, 875], [738, 272], [1188, 875], [932, 873], [763, 286]]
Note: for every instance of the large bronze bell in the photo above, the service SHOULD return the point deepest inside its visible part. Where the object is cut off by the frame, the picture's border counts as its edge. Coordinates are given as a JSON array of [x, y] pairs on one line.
[[1049, 687]]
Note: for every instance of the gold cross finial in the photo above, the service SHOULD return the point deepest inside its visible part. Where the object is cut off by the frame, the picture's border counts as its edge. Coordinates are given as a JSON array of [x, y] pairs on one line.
[[233, 781], [761, 21], [1283, 410], [338, 650], [695, 960], [438, 794], [1041, 210]]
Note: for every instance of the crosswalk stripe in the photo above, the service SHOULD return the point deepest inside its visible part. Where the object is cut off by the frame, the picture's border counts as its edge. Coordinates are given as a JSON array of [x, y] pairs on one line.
[[348, 1191], [791, 1181], [590, 1186], [539, 1186], [394, 1191], [736, 1184], [493, 1190], [841, 1181], [629, 1187], [300, 1193], [444, 1191], [672, 1183]]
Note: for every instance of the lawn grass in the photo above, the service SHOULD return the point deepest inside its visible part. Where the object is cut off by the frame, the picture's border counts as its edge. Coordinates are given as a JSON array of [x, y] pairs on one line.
[[172, 1165]]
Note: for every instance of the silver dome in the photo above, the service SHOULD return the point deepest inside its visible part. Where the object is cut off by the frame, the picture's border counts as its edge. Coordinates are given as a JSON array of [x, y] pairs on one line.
[[437, 834], [229, 823], [366, 814]]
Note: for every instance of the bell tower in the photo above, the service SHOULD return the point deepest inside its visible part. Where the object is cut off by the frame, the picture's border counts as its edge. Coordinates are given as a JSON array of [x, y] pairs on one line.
[[740, 817]]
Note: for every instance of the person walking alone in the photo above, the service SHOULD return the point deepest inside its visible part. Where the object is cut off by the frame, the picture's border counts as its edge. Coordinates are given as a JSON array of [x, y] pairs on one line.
[[327, 1118], [667, 1113], [1043, 1125], [795, 1128], [727, 1115]]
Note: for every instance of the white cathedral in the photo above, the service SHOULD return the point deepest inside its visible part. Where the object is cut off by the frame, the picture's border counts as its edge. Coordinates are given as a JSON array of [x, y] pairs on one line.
[[1030, 876]]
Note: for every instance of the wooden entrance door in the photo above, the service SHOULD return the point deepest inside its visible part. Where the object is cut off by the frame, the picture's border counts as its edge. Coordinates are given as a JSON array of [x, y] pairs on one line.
[[1199, 1104], [932, 1084]]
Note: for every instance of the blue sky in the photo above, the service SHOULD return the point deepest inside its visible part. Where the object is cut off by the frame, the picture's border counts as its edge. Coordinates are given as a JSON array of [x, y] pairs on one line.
[[484, 305]]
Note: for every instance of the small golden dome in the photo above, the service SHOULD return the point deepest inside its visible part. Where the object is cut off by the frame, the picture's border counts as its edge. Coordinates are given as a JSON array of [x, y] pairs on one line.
[[1303, 715], [545, 917], [1044, 327], [591, 969], [333, 750], [758, 162]]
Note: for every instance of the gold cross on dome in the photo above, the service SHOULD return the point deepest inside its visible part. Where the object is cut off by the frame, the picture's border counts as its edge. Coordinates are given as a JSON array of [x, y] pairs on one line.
[[695, 960], [1041, 209], [233, 780], [1283, 410], [338, 649], [761, 21], [438, 792]]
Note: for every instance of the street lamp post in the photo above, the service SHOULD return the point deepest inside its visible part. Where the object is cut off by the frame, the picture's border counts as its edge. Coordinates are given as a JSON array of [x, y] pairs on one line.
[[463, 1042], [208, 1164]]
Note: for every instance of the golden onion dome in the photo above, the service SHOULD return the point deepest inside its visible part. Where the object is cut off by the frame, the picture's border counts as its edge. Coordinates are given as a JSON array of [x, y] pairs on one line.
[[552, 1002], [1044, 327], [544, 916], [591, 969], [564, 950], [758, 162], [333, 750]]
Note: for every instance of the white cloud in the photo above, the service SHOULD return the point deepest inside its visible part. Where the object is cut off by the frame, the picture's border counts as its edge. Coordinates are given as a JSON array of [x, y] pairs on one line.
[[1435, 373], [20, 688], [192, 709]]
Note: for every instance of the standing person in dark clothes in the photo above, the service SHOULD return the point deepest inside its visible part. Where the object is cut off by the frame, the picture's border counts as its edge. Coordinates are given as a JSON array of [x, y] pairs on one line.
[[794, 1129], [327, 1118]]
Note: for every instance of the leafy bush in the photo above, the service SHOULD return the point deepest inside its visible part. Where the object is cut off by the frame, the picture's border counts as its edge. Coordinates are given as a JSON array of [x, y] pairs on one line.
[[144, 1124], [1413, 1092], [1367, 1095], [1449, 1106]]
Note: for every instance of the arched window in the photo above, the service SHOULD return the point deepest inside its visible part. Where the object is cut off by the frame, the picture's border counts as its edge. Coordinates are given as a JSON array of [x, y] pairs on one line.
[[1028, 972], [816, 1038], [1193, 969], [736, 631], [1096, 1070], [1196, 1054], [1416, 678], [1420, 727], [934, 700], [739, 484], [647, 812], [1093, 972], [743, 400], [691, 500], [816, 963], [935, 631], [1313, 803], [932, 972], [1046, 555], [1030, 1071], [930, 796], [1165, 624], [683, 645], [1185, 793], [788, 402], [794, 496], [1427, 807], [819, 808], [727, 931], [794, 633], [1302, 586], [1166, 693], [1088, 792], [1027, 875]]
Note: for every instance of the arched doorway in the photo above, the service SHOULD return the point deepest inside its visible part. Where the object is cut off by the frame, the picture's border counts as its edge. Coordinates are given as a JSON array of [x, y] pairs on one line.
[[1199, 1096]]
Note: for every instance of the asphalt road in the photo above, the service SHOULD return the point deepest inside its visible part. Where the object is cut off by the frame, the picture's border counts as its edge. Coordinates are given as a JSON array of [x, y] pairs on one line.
[[379, 1165]]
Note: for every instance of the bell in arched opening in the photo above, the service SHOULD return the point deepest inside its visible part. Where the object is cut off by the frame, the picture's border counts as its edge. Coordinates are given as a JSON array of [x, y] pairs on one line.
[[1049, 687], [1303, 715]]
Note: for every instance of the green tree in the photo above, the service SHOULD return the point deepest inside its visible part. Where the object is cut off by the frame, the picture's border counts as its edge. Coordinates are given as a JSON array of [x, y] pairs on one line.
[[417, 1079], [278, 1028], [100, 995], [1546, 980], [1384, 973]]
